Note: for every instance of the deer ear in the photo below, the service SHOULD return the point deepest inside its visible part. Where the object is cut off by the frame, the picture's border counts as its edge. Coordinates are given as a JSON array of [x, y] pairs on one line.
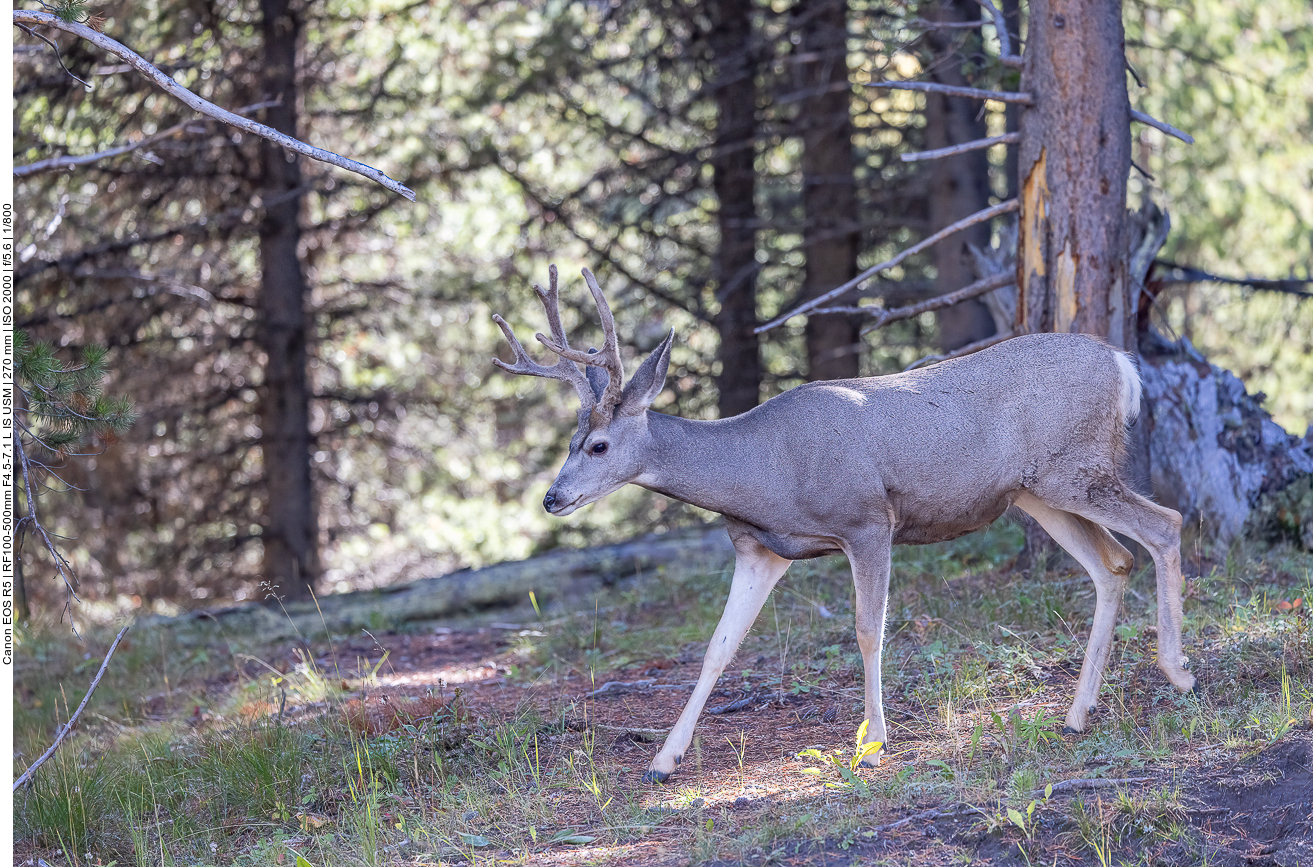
[[597, 377], [648, 380]]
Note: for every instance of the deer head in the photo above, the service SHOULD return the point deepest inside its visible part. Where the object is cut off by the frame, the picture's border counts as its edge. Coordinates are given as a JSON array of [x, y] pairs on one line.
[[609, 449]]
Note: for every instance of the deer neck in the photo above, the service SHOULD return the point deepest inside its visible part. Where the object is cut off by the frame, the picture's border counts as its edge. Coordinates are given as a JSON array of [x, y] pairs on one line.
[[708, 464]]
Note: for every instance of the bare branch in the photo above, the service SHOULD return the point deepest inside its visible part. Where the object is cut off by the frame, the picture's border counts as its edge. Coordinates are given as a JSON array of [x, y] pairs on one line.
[[958, 353], [1159, 125], [54, 48], [66, 161], [171, 87], [61, 565], [1187, 274], [979, 217], [1093, 783], [951, 90], [1004, 42], [68, 727], [923, 24], [971, 290], [965, 147]]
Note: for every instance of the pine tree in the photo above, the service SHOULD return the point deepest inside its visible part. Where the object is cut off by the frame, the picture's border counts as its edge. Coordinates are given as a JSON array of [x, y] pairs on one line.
[[61, 409]]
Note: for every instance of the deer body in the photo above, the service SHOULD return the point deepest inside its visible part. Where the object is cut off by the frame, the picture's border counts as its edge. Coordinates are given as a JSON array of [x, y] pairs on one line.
[[856, 466]]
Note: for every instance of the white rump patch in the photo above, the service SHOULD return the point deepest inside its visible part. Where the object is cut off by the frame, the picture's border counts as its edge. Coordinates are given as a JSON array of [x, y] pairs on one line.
[[1130, 386]]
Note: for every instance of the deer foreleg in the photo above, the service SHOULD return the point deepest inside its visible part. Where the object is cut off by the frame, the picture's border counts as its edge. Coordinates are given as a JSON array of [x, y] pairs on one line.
[[756, 571], [871, 563]]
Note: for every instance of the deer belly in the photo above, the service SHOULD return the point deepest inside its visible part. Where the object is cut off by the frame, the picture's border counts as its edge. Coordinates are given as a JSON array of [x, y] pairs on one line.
[[924, 524]]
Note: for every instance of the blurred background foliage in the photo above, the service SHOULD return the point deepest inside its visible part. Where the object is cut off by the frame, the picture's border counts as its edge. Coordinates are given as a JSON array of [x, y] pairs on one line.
[[579, 133]]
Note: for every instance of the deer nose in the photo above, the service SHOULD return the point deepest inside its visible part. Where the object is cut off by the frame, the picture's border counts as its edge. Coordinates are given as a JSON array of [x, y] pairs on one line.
[[549, 501]]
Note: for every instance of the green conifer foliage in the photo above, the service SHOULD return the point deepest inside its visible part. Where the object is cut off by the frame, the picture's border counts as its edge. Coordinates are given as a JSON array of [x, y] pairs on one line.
[[62, 407]]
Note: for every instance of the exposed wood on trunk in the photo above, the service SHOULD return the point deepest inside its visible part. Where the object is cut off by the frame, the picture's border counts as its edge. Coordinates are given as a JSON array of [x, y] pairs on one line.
[[959, 185], [829, 194], [735, 89], [1074, 158], [290, 533]]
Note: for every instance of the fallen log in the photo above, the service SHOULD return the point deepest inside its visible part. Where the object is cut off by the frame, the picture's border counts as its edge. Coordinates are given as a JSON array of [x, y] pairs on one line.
[[556, 579]]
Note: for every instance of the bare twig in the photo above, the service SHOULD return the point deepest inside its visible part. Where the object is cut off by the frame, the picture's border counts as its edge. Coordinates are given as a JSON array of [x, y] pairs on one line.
[[54, 48], [958, 353], [978, 217], [952, 90], [68, 727], [66, 161], [176, 90], [965, 147], [971, 290], [1004, 42], [1159, 125], [61, 565]]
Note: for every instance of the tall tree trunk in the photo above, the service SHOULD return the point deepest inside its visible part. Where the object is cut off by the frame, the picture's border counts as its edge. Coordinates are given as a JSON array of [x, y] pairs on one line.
[[1075, 154], [1012, 111], [735, 182], [959, 185], [290, 533], [829, 194]]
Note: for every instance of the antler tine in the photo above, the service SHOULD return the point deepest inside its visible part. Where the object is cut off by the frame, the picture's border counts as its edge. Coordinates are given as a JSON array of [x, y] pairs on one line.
[[564, 369], [608, 358], [550, 299]]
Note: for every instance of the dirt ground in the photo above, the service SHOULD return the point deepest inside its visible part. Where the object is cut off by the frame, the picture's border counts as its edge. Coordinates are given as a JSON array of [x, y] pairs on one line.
[[743, 767]]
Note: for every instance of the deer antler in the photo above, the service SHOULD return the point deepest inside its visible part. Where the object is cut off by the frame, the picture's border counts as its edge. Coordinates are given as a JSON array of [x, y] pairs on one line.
[[565, 369], [608, 359]]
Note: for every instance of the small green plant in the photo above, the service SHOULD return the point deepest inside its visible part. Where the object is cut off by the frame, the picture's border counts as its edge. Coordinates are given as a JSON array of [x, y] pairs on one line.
[[1023, 820], [845, 765]]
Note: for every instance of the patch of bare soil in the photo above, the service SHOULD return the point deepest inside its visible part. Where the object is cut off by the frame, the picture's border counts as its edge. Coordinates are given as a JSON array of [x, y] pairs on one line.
[[743, 766]]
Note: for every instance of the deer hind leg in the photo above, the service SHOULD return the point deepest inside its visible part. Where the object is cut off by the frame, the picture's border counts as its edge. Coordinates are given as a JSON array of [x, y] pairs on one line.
[[871, 564], [756, 571], [1109, 565], [1158, 529]]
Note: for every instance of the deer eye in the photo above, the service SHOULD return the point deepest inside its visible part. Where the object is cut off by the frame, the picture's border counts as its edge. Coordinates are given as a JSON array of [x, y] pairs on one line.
[[598, 448]]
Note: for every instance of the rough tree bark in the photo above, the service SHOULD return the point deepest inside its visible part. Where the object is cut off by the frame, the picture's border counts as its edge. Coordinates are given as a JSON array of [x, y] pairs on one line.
[[733, 162], [1074, 157], [829, 192], [1203, 445], [290, 533], [959, 185]]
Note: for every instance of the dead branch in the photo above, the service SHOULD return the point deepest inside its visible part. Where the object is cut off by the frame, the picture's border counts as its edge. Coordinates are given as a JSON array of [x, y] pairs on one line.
[[1006, 57], [61, 565], [958, 353], [923, 24], [965, 147], [971, 290], [68, 162], [176, 90], [1088, 783], [941, 813], [68, 727], [951, 90], [979, 217], [1186, 274], [1159, 125]]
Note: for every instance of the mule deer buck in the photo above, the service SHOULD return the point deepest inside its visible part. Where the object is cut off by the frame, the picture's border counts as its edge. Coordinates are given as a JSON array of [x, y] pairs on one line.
[[857, 465]]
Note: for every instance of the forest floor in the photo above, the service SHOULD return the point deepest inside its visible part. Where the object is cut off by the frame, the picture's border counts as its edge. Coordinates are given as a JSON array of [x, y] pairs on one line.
[[523, 739]]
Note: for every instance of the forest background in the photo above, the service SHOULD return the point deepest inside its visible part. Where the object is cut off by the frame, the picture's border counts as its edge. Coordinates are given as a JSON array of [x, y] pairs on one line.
[[677, 149]]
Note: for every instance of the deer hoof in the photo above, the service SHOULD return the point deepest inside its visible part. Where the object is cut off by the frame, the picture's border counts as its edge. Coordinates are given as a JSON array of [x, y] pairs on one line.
[[654, 776], [1068, 730]]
